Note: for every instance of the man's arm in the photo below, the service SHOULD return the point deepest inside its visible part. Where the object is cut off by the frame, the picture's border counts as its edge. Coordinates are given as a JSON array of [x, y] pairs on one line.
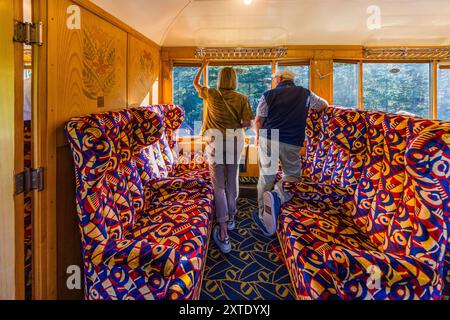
[[247, 114], [261, 114], [317, 103], [197, 83], [257, 125]]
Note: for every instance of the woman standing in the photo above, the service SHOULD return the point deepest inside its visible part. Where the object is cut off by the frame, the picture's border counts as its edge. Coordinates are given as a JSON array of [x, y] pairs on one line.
[[227, 114]]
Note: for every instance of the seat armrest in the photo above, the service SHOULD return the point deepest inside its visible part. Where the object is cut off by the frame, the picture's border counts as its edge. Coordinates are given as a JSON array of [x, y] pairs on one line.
[[175, 183], [146, 256], [389, 269], [305, 190]]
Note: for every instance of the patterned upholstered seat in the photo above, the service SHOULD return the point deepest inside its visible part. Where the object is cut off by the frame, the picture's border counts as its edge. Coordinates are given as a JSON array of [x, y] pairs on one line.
[[136, 245], [155, 161], [378, 228], [195, 167]]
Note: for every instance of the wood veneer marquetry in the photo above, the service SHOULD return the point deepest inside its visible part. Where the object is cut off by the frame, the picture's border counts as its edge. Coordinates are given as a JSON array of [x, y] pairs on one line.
[[91, 64], [104, 65], [143, 69]]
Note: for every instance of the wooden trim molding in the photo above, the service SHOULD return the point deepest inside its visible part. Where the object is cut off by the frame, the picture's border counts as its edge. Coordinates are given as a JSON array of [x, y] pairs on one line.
[[19, 155], [434, 89]]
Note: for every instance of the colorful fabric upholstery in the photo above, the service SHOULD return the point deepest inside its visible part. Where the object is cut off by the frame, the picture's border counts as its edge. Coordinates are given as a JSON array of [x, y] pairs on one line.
[[411, 266], [386, 215], [168, 152], [133, 246], [156, 163]]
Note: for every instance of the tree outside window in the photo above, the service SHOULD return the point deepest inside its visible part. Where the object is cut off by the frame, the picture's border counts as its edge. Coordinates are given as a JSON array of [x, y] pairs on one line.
[[444, 94], [397, 88]]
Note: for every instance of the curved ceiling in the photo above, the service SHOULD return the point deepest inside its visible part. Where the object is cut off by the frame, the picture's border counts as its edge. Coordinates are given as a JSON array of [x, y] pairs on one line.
[[286, 22]]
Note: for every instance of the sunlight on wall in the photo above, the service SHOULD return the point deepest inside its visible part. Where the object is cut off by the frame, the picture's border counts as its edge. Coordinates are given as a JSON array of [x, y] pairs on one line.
[[146, 101], [155, 92]]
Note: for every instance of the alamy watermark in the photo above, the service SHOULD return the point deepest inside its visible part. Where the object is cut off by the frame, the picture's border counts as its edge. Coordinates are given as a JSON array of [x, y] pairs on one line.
[[374, 20]]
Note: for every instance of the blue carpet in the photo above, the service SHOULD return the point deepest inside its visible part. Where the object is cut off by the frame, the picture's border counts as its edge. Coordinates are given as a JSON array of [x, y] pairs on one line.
[[252, 271]]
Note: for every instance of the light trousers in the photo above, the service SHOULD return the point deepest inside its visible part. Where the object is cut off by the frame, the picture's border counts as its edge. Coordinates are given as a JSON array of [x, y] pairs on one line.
[[270, 155], [224, 169]]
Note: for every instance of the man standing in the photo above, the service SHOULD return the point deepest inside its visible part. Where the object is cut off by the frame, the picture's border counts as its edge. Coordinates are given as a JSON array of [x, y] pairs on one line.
[[280, 126]]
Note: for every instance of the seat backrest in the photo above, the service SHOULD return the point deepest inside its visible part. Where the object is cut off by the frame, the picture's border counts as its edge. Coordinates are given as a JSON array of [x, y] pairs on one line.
[[369, 182], [165, 156], [392, 178], [318, 143], [174, 117], [109, 188], [148, 128], [347, 151], [313, 128], [420, 226]]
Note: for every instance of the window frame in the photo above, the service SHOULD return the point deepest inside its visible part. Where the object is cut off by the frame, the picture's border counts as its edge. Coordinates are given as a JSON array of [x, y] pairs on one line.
[[360, 103], [437, 68]]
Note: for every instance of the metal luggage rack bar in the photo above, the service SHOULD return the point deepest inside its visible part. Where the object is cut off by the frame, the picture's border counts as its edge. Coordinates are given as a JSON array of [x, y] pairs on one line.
[[407, 53], [240, 53]]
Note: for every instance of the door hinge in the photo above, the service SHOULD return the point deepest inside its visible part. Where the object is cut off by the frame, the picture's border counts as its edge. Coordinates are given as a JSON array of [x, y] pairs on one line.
[[28, 33], [30, 180]]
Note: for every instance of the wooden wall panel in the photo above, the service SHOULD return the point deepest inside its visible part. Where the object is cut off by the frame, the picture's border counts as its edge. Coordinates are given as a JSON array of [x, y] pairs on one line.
[[91, 66], [7, 217], [103, 66], [143, 70]]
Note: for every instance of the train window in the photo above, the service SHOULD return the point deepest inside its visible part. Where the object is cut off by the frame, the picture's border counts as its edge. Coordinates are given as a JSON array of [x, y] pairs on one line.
[[346, 84], [301, 73], [184, 94], [397, 88], [254, 80], [444, 93]]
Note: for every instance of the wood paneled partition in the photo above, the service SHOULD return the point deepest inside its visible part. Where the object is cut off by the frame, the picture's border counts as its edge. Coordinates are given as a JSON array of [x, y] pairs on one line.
[[11, 283], [94, 63]]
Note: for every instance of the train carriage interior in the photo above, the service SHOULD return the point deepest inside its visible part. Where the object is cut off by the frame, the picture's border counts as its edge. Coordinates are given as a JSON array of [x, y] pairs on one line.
[[107, 188]]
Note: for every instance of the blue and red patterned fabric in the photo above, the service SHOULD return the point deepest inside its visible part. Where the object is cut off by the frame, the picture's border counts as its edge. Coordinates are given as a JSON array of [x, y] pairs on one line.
[[371, 219], [145, 232]]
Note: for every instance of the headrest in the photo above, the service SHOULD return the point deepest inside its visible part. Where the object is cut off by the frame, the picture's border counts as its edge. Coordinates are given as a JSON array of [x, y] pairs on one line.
[[348, 131], [417, 125], [93, 137], [148, 127], [174, 116]]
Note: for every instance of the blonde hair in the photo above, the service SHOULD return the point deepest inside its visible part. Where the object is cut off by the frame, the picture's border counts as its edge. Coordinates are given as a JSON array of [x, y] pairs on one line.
[[227, 79]]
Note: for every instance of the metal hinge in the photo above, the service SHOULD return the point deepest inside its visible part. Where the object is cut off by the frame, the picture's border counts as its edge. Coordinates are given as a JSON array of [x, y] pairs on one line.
[[28, 33], [30, 180]]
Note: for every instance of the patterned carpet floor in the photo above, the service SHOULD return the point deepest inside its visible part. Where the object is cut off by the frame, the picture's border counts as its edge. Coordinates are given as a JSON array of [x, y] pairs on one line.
[[252, 271]]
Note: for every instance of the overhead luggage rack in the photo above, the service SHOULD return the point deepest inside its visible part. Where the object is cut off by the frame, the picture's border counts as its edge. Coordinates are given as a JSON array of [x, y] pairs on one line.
[[407, 53], [241, 53]]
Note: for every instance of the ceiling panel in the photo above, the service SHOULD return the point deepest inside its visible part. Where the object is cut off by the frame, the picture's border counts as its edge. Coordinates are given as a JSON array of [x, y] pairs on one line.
[[285, 22]]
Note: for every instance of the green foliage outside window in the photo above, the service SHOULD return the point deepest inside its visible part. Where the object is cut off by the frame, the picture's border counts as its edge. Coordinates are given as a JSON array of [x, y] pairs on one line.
[[444, 94], [184, 94], [301, 74], [397, 87], [388, 87], [346, 84], [253, 81]]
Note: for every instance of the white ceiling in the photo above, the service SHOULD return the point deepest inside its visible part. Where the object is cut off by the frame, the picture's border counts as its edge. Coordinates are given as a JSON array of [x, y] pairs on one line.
[[285, 22]]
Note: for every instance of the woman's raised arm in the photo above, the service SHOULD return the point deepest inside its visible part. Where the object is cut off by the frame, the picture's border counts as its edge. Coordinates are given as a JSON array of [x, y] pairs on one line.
[[197, 83]]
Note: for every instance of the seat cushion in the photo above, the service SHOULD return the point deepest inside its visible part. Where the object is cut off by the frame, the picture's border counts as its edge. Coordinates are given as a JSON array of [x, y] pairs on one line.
[[305, 234], [185, 225], [319, 195]]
